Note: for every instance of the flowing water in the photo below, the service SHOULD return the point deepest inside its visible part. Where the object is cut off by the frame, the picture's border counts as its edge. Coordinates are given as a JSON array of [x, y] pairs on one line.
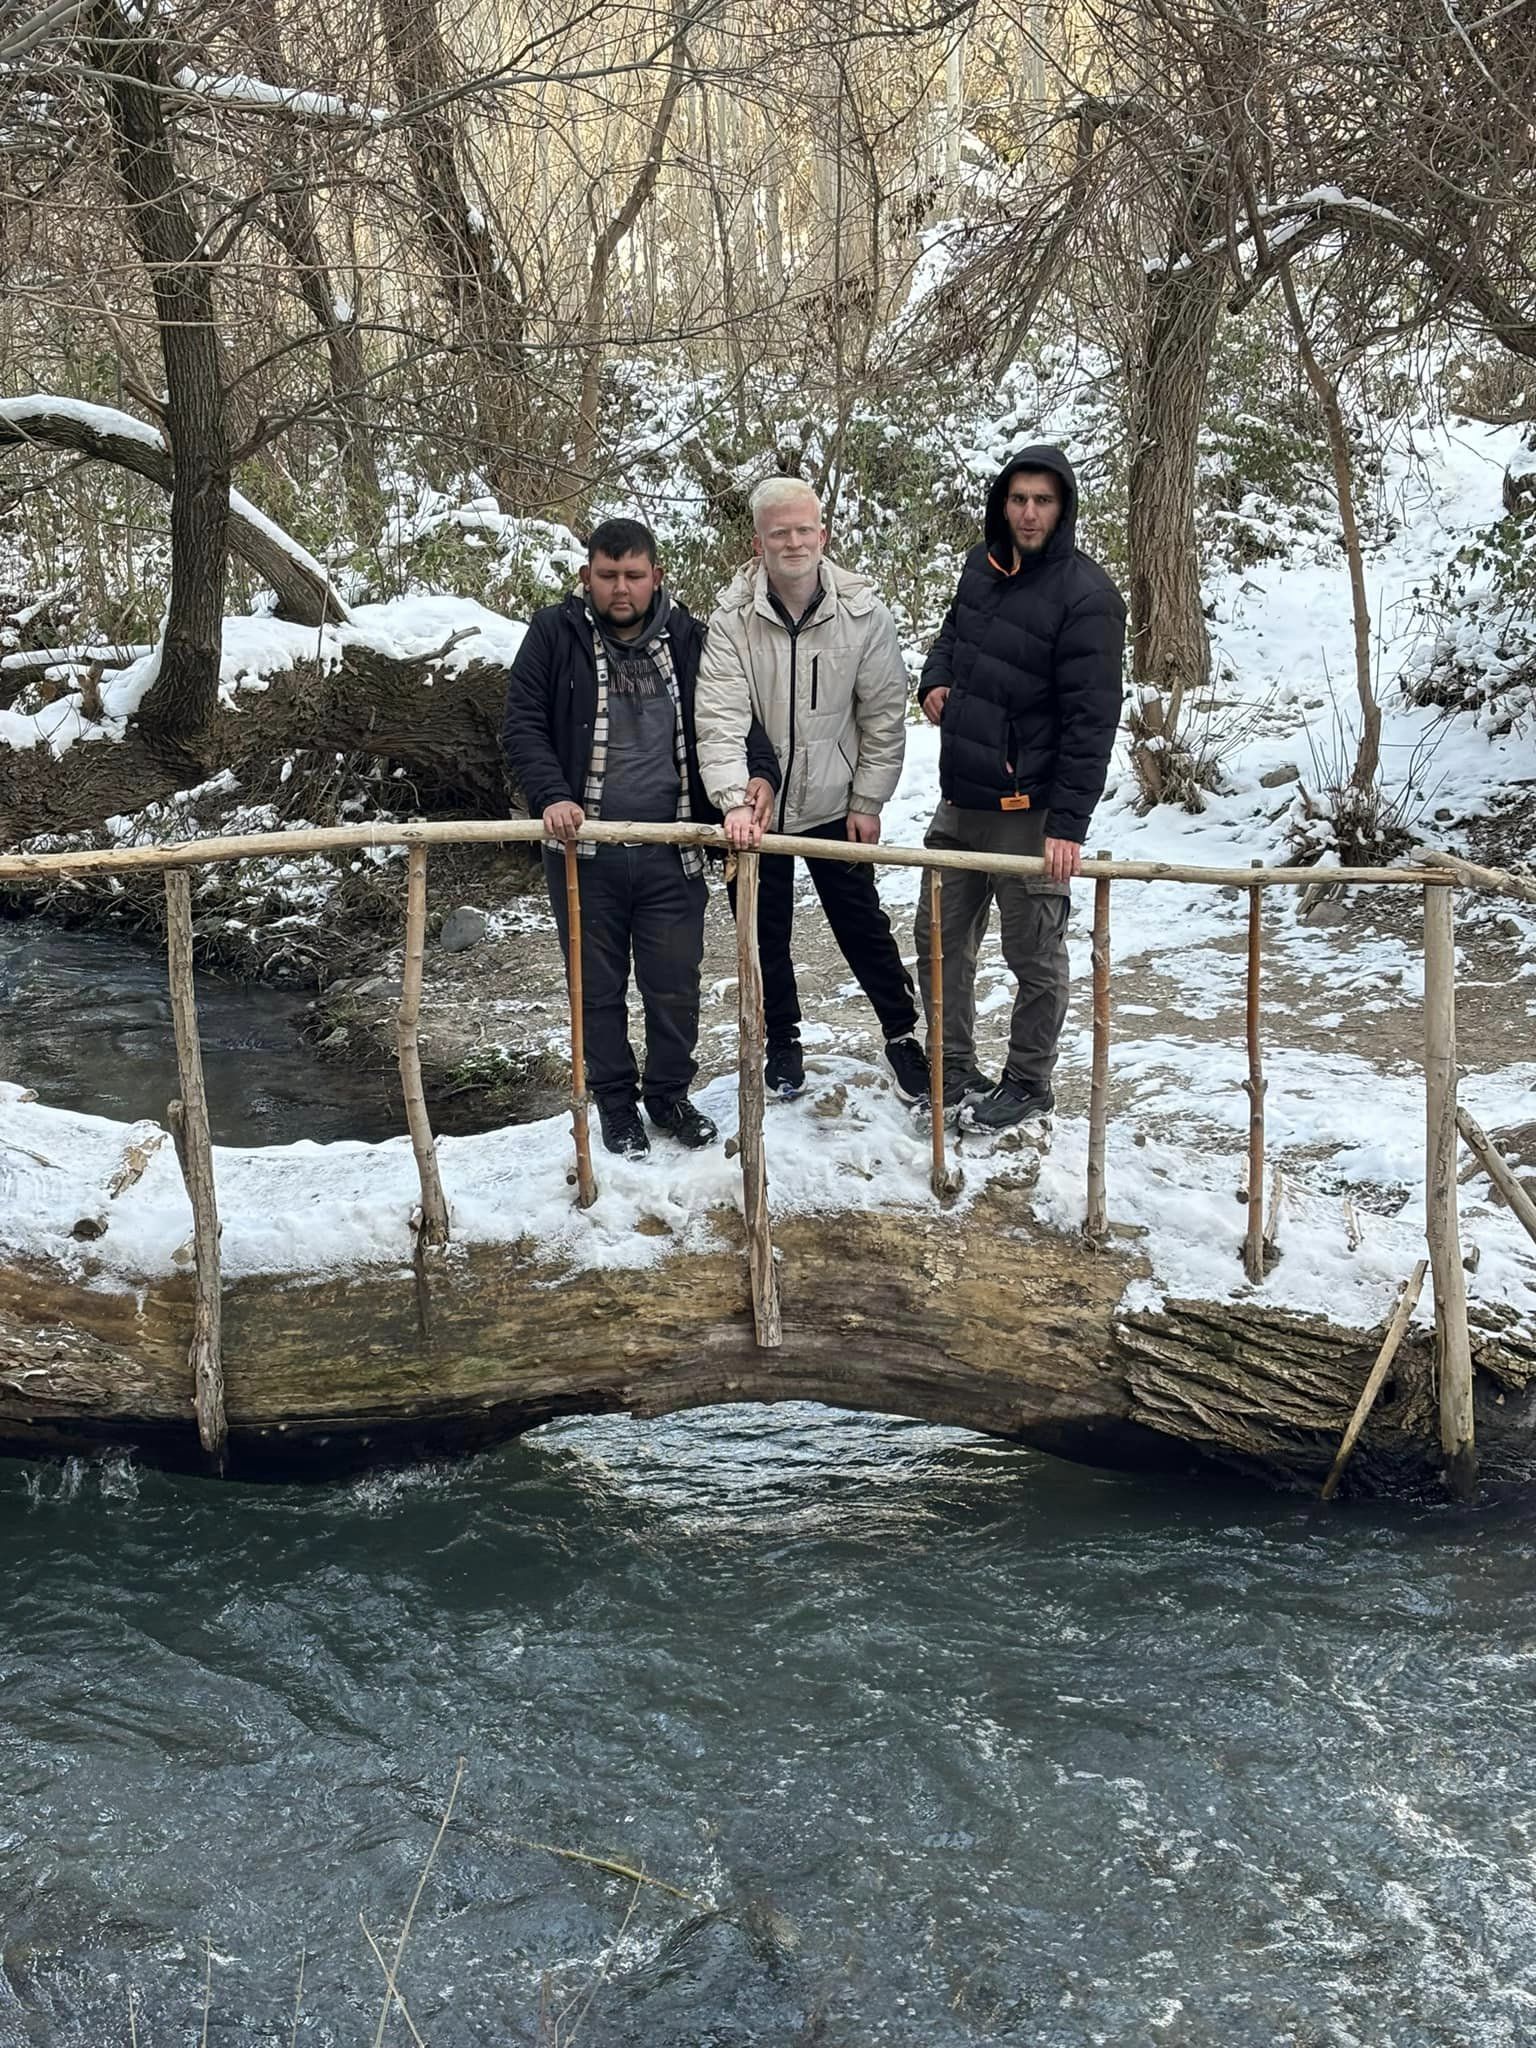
[[85, 1019], [945, 1743], [942, 1741]]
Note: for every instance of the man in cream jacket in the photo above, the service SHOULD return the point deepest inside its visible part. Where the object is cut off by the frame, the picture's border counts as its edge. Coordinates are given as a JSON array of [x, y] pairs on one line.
[[811, 651]]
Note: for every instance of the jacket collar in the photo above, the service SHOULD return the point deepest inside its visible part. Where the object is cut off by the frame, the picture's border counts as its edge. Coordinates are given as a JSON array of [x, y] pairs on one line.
[[846, 591]]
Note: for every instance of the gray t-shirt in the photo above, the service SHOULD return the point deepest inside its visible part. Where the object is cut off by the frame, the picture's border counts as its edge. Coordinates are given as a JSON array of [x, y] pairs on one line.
[[640, 782]]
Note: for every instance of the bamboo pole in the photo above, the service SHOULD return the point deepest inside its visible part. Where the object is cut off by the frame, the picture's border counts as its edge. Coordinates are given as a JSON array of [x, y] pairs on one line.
[[1376, 1378], [1498, 1170], [938, 1178], [434, 1208], [1255, 1087], [1096, 1220], [1453, 1348], [188, 1119], [586, 1183], [766, 1318], [19, 867]]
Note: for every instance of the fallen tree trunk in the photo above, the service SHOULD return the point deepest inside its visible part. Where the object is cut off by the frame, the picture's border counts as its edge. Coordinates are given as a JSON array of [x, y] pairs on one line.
[[303, 591], [982, 1319], [440, 724]]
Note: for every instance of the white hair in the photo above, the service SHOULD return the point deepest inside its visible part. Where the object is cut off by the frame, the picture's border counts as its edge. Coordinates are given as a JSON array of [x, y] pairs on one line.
[[775, 491]]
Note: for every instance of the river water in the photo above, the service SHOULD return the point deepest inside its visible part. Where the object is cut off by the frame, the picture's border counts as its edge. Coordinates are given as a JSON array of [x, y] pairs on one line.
[[944, 1742]]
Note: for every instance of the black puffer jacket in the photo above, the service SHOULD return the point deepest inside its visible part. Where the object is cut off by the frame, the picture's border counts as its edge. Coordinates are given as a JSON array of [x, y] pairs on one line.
[[546, 731], [1031, 661]]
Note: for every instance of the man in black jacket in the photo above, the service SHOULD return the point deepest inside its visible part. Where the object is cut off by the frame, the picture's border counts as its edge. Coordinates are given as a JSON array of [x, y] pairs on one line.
[[599, 723], [1024, 684]]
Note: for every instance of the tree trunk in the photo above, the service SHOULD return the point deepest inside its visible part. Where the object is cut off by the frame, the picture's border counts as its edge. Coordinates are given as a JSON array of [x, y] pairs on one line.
[[304, 595], [893, 1312], [298, 234], [489, 313], [180, 707]]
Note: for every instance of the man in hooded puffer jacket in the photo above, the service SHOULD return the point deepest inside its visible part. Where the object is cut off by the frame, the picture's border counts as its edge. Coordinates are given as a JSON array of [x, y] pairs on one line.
[[1024, 684], [808, 649]]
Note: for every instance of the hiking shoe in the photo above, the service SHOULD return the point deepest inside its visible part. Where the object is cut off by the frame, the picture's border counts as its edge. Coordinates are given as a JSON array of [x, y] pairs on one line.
[[623, 1131], [1010, 1102], [909, 1063], [970, 1086], [684, 1121], [784, 1068]]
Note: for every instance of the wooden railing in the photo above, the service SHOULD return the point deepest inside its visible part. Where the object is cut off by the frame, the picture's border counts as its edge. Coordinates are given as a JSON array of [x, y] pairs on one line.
[[1436, 879]]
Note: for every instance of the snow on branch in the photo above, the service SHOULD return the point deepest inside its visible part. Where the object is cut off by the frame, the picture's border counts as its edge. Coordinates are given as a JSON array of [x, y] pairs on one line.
[[256, 95], [43, 419]]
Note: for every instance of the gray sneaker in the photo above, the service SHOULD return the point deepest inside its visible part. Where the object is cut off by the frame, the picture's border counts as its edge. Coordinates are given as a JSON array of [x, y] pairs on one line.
[[1010, 1102]]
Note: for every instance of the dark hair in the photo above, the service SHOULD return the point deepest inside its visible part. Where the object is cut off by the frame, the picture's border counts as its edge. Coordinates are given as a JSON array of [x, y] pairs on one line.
[[616, 538]]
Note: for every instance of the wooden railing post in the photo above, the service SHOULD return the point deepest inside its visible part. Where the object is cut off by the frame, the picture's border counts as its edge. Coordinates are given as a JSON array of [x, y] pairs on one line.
[[1096, 1221], [434, 1207], [1376, 1378], [586, 1183], [1255, 1087], [1453, 1347], [188, 1119], [940, 1179], [766, 1318]]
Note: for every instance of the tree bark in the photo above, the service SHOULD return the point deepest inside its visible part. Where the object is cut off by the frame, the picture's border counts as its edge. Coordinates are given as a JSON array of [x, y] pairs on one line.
[[487, 308], [298, 233], [891, 1312], [163, 230]]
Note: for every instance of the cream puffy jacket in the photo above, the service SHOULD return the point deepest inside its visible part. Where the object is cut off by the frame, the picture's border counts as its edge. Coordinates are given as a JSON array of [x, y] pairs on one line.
[[832, 698]]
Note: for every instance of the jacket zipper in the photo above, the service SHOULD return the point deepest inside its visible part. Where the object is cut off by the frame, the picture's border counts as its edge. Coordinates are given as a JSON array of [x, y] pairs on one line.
[[815, 666], [789, 765]]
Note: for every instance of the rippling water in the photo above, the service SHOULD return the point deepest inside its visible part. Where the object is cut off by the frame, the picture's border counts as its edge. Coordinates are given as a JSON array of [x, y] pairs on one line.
[[945, 1742], [86, 1018]]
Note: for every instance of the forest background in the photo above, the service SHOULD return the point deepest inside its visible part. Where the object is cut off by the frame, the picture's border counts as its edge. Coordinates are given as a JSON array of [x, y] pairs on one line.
[[309, 315]]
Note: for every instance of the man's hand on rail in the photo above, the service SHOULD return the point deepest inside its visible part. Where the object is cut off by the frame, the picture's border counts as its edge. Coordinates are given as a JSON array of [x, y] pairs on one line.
[[564, 821], [760, 802], [1063, 859], [742, 829], [863, 828], [933, 704]]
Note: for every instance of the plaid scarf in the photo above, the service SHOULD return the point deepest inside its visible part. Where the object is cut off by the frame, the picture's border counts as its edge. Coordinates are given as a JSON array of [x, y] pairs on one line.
[[660, 652]]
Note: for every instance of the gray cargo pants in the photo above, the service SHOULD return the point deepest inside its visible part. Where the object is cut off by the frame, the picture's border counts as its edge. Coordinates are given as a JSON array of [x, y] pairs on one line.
[[1034, 923]]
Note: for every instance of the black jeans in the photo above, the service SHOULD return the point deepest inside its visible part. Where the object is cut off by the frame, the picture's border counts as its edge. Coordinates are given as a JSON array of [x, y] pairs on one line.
[[636, 902], [859, 925]]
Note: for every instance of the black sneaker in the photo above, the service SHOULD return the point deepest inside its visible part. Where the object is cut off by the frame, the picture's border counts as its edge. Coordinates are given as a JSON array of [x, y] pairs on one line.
[[959, 1089], [623, 1131], [784, 1068], [909, 1063], [1010, 1102], [683, 1121]]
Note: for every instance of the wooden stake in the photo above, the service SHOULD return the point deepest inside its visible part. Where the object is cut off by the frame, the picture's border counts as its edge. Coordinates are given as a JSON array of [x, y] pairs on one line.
[[1255, 1086], [586, 1184], [188, 1119], [938, 1179], [1376, 1378], [766, 1319], [1453, 1346], [433, 1229], [1096, 1221], [1498, 1171]]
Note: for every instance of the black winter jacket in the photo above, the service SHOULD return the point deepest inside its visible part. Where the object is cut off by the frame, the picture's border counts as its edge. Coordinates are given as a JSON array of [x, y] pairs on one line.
[[546, 730], [1032, 665]]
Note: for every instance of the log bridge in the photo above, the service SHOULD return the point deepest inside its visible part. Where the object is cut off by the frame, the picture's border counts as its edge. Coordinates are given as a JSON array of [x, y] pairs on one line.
[[975, 1315]]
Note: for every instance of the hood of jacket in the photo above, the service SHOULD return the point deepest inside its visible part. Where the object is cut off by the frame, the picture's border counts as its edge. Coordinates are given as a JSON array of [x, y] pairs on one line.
[[999, 537], [657, 620], [748, 590]]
